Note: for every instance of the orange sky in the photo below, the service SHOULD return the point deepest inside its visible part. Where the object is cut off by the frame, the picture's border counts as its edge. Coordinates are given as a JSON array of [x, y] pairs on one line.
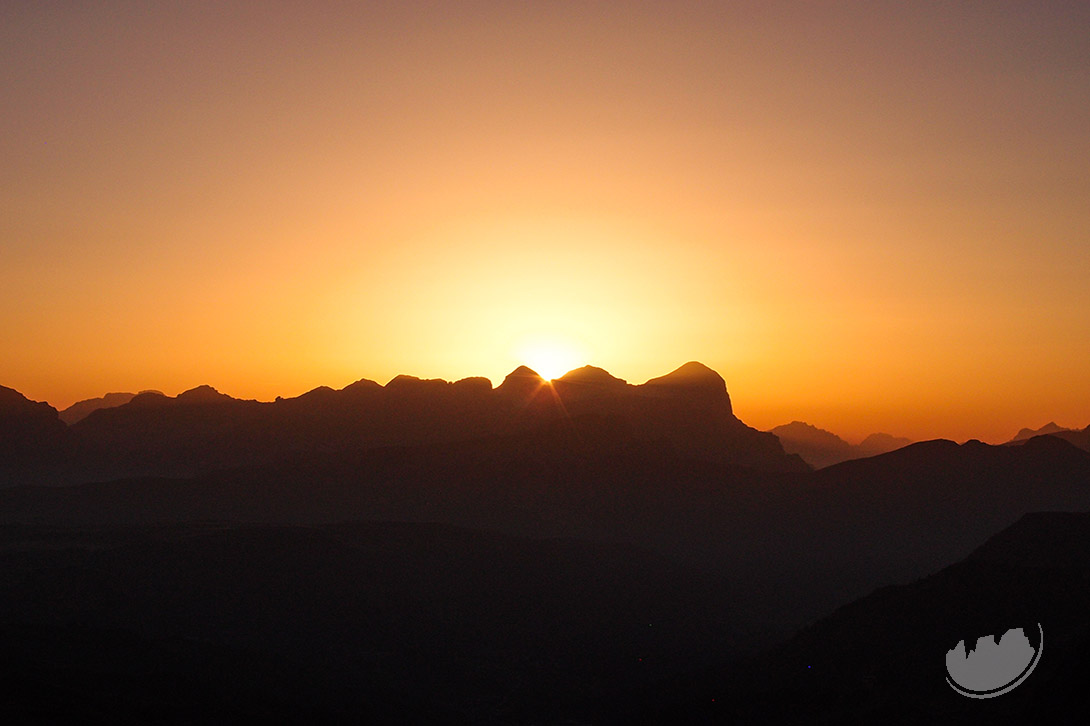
[[865, 216]]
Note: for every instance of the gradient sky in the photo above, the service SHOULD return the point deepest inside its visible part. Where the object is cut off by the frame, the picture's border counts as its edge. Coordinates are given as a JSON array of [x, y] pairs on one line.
[[868, 216]]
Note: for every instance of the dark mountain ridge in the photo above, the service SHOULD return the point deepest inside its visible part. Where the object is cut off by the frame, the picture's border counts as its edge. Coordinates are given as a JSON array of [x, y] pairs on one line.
[[202, 430], [804, 542], [82, 409], [1075, 437], [31, 432], [773, 551], [881, 658], [651, 490]]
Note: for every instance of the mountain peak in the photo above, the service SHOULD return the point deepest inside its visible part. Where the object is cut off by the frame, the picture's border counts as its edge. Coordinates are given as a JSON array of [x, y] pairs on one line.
[[524, 372], [13, 402], [475, 384], [881, 443], [592, 375], [801, 426], [691, 375], [522, 382], [148, 398], [82, 409], [11, 397], [802, 430], [1049, 428], [692, 380], [362, 386], [402, 380], [817, 447], [203, 394], [693, 369], [521, 377], [25, 425]]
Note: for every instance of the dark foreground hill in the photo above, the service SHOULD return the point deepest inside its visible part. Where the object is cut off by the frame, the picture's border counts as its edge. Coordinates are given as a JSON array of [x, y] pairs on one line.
[[449, 552], [804, 543], [882, 659], [374, 622], [28, 429]]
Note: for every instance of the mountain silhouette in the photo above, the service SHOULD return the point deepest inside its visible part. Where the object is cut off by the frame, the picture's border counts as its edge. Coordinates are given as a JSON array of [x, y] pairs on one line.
[[82, 409], [817, 447], [24, 420], [726, 559], [820, 448], [881, 443], [1049, 428], [521, 384], [585, 534], [202, 429], [31, 436], [1077, 437], [203, 395], [694, 382], [592, 376], [804, 542], [881, 658]]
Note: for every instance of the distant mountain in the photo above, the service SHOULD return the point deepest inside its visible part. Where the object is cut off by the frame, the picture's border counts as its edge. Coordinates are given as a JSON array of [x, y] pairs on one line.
[[202, 430], [82, 409], [1078, 437], [817, 447], [881, 444], [1049, 428], [820, 448]]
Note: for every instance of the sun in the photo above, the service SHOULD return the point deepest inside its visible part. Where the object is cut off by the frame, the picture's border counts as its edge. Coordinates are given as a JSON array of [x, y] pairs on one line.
[[551, 358]]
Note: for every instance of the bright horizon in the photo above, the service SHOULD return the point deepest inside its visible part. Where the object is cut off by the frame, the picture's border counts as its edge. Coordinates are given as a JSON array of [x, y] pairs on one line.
[[864, 216], [852, 437]]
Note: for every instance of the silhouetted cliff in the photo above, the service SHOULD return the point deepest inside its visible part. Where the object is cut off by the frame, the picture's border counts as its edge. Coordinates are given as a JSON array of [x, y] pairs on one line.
[[202, 430]]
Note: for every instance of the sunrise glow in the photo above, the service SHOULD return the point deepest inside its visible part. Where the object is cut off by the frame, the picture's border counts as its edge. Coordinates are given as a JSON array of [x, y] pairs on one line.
[[550, 358], [270, 200]]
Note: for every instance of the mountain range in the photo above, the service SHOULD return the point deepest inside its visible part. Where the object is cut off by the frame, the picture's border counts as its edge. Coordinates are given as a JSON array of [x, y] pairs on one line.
[[1078, 437], [202, 430], [1049, 428], [820, 448], [575, 550], [82, 409]]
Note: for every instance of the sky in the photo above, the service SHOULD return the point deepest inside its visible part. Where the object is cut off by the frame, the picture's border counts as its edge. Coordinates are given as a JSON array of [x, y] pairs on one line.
[[868, 216]]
